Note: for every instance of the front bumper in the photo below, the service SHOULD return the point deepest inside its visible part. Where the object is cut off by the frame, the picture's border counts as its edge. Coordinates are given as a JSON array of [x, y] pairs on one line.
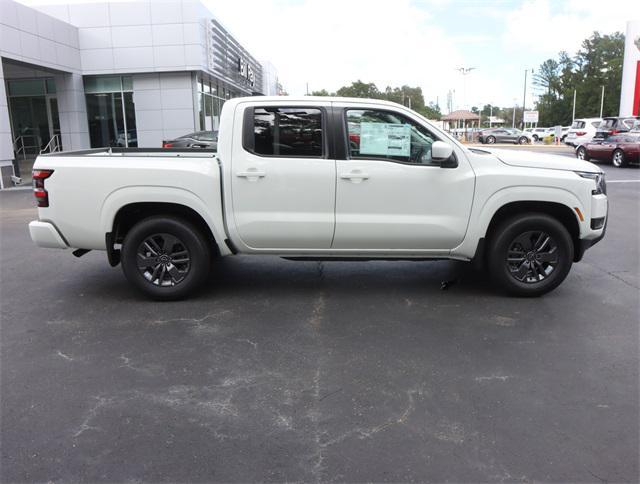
[[44, 234], [599, 209]]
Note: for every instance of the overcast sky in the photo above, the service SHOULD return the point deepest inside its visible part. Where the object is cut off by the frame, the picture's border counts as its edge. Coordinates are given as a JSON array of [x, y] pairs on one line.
[[330, 43]]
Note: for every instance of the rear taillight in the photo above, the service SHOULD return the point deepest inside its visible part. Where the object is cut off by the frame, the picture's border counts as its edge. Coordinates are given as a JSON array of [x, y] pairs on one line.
[[39, 176], [580, 133], [166, 144], [613, 131]]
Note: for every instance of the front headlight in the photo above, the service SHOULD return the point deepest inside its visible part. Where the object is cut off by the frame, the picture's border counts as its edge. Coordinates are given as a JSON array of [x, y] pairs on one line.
[[601, 184]]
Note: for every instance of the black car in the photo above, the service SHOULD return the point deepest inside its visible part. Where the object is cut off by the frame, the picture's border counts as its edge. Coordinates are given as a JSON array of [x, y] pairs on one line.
[[614, 125], [199, 139]]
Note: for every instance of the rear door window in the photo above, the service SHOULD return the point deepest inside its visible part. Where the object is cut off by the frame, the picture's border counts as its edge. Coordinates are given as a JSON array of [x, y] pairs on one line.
[[285, 132]]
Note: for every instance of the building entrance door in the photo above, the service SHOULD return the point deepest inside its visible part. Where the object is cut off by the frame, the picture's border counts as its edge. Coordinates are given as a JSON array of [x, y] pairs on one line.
[[33, 112]]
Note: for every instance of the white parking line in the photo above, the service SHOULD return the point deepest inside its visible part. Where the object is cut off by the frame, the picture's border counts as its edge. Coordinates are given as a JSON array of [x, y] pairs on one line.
[[623, 181]]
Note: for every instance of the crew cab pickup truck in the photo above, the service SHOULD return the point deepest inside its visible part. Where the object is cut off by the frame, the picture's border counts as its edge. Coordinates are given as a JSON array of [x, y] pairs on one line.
[[321, 178]]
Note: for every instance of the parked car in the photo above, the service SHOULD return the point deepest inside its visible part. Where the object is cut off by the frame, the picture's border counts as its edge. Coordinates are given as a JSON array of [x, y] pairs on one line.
[[504, 135], [539, 133], [618, 149], [403, 189], [582, 131], [199, 139], [614, 125]]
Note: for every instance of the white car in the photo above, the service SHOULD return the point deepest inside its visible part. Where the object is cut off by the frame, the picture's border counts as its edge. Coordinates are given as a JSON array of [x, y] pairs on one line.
[[582, 131], [319, 179], [539, 133]]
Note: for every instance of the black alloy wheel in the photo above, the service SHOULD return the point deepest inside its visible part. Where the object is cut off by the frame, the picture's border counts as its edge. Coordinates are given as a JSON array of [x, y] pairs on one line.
[[532, 257], [530, 254], [166, 257], [163, 260]]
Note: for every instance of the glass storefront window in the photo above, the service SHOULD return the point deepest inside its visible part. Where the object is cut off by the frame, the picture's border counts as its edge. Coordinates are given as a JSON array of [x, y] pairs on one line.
[[111, 114], [27, 87], [51, 86], [108, 84]]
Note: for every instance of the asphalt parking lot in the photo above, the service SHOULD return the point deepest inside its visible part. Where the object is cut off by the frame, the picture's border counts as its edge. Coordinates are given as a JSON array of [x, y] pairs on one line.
[[333, 371]]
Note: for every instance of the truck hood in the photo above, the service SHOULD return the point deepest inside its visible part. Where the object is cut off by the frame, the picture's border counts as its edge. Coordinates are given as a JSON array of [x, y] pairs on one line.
[[531, 159]]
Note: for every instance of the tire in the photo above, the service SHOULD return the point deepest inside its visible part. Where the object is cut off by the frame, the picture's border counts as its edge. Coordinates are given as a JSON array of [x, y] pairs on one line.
[[491, 140], [581, 154], [618, 159], [185, 254], [523, 140], [535, 137], [522, 261]]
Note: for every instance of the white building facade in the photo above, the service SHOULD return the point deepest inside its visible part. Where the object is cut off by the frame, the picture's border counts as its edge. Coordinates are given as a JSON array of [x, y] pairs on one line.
[[79, 76]]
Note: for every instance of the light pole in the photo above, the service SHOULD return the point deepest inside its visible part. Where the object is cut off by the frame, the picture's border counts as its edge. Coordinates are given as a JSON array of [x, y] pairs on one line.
[[490, 114], [601, 101], [464, 71], [573, 116], [524, 96]]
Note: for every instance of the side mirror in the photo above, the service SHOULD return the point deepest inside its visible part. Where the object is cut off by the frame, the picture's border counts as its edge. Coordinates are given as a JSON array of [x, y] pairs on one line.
[[443, 152]]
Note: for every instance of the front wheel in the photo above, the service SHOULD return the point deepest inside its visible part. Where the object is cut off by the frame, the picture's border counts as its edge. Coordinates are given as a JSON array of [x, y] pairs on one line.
[[523, 140], [530, 254], [618, 160], [165, 257]]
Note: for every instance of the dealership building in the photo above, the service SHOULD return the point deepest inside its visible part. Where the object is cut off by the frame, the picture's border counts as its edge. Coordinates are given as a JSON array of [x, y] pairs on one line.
[[78, 76]]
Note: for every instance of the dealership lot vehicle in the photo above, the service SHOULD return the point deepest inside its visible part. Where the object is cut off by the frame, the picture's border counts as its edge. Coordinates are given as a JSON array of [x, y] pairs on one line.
[[582, 131], [618, 149], [199, 139], [614, 125], [505, 135], [165, 215], [539, 133], [319, 371]]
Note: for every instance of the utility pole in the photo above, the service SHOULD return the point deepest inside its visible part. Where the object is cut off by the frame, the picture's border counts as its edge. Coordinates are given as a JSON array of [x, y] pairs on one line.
[[513, 122], [601, 101], [307, 88], [490, 114], [573, 116]]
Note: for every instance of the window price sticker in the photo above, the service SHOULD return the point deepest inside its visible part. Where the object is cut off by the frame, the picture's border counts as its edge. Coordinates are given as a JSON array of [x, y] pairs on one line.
[[385, 139]]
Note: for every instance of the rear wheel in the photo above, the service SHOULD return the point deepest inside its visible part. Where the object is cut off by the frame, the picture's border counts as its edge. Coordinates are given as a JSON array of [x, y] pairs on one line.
[[166, 258], [491, 140], [535, 137], [530, 254], [523, 140], [581, 153], [618, 159]]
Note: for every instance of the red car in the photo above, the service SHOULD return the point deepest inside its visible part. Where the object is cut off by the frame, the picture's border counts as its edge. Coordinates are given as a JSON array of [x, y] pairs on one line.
[[619, 149]]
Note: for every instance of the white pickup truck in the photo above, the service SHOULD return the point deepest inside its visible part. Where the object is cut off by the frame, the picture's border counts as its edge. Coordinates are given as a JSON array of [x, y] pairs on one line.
[[321, 178]]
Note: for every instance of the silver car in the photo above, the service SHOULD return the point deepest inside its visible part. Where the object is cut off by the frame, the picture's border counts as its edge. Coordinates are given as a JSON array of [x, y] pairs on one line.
[[504, 135]]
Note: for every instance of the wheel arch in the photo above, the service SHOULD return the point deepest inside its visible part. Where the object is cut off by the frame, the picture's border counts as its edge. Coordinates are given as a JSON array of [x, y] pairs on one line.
[[561, 212], [126, 206]]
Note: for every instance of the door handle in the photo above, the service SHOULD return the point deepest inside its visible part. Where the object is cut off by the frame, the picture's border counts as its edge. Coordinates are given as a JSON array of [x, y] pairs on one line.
[[356, 176], [252, 174]]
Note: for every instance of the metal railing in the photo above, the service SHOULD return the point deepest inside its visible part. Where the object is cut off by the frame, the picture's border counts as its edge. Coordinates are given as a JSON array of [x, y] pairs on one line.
[[21, 147], [54, 145]]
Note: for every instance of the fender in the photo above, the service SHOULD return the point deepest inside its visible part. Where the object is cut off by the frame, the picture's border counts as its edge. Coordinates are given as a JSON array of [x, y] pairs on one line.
[[210, 210], [482, 214]]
